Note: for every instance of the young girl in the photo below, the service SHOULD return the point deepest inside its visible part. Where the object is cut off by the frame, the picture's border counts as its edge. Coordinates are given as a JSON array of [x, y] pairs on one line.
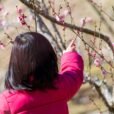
[[33, 84]]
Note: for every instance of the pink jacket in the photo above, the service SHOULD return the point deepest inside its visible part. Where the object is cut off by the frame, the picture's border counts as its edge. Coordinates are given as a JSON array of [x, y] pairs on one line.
[[51, 101]]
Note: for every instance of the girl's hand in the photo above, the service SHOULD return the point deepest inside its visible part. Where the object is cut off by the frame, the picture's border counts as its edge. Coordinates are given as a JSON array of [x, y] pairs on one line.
[[71, 47]]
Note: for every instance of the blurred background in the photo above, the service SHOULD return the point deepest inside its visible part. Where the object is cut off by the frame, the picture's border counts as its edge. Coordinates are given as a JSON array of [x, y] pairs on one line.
[[10, 26]]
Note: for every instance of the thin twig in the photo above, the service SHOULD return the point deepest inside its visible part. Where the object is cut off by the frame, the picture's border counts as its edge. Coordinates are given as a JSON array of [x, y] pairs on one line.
[[85, 30]]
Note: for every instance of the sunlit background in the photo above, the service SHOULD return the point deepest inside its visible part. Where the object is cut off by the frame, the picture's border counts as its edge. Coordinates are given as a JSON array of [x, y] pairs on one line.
[[10, 27]]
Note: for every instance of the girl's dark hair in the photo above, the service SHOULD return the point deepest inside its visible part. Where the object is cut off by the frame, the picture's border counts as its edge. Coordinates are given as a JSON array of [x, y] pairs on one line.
[[33, 63]]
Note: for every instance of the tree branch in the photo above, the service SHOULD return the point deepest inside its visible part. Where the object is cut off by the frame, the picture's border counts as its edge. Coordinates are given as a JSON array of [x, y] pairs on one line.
[[70, 26], [102, 17], [54, 27], [44, 29], [103, 90]]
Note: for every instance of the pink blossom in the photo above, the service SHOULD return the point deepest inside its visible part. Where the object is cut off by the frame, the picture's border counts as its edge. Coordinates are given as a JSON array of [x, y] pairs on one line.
[[19, 10], [85, 20], [113, 44], [61, 17], [32, 17], [57, 18], [104, 72], [82, 21], [18, 20], [65, 12], [93, 54], [2, 23], [97, 62], [89, 20], [21, 17], [1, 7], [2, 46]]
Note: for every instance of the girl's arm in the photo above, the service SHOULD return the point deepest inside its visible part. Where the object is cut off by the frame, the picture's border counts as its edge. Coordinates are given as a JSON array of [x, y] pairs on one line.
[[71, 71]]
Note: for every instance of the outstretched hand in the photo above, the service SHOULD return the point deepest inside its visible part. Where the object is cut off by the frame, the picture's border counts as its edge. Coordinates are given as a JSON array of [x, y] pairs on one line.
[[71, 47]]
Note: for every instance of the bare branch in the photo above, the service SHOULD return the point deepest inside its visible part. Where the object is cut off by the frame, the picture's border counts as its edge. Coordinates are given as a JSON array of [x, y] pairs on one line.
[[70, 26], [43, 27], [103, 90], [55, 27], [102, 17]]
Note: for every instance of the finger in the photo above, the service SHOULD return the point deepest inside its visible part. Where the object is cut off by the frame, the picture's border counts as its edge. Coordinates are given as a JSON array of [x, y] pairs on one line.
[[73, 48], [72, 42]]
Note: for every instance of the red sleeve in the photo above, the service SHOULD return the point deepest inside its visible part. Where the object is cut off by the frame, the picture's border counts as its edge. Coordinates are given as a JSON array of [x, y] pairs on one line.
[[4, 108], [71, 72]]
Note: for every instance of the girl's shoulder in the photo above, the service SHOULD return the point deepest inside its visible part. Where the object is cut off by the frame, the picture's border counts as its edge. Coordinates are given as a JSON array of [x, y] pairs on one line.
[[3, 102], [8, 93], [7, 96]]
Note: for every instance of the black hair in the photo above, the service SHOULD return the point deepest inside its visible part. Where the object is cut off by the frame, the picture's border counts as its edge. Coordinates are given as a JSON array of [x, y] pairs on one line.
[[33, 63]]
